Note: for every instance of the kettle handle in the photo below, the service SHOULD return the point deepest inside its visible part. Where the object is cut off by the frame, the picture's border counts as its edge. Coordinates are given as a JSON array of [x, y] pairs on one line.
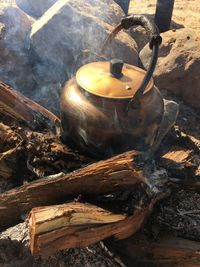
[[155, 41]]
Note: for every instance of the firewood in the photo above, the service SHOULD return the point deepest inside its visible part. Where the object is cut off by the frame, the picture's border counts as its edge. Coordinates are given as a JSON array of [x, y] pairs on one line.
[[120, 172], [47, 224], [17, 106], [76, 225], [14, 248], [182, 165], [169, 251]]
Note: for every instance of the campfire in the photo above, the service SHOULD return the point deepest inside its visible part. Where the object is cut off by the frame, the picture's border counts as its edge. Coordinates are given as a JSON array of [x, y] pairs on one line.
[[112, 168]]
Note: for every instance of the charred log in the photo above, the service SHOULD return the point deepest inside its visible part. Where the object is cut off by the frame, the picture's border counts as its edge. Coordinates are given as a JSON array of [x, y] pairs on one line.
[[20, 108]]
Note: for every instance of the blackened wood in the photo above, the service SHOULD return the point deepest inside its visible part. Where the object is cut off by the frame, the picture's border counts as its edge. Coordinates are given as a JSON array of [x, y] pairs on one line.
[[17, 106], [168, 250]]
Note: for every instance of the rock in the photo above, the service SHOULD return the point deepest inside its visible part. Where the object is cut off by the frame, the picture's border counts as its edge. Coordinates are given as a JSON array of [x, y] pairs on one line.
[[35, 8], [64, 36], [105, 10], [67, 29], [139, 34], [15, 68], [178, 67], [15, 25]]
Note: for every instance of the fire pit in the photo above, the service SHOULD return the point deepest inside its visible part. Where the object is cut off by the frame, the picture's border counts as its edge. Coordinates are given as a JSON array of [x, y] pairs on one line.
[[67, 201]]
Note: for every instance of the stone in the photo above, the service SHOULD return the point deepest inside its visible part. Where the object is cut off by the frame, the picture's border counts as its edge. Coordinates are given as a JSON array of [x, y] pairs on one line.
[[139, 34], [15, 68], [69, 35], [35, 8], [178, 68], [103, 8], [60, 37]]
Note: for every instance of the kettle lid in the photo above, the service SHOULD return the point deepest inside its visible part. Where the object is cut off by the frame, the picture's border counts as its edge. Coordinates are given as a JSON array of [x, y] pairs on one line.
[[112, 79]]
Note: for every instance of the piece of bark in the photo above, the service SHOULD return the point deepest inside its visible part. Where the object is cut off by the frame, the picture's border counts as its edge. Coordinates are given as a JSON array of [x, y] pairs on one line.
[[76, 225], [20, 108], [120, 172], [167, 251]]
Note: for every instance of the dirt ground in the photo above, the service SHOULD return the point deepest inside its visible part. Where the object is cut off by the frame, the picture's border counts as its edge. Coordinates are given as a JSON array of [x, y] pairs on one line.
[[186, 12]]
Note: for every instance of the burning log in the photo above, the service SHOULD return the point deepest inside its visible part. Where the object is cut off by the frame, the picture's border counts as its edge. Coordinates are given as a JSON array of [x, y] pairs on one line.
[[16, 106], [120, 172], [79, 225]]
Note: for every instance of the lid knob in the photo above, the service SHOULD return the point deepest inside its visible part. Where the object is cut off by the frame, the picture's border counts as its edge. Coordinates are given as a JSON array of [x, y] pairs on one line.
[[116, 66]]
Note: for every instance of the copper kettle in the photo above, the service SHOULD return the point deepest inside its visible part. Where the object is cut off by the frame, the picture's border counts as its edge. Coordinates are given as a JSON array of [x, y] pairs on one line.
[[111, 107]]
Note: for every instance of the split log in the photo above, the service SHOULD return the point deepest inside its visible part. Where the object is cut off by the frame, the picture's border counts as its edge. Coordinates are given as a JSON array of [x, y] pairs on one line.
[[48, 224], [76, 225], [120, 172], [169, 251], [15, 105]]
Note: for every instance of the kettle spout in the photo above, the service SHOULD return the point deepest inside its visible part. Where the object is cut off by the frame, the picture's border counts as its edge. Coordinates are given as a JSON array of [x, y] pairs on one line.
[[111, 36]]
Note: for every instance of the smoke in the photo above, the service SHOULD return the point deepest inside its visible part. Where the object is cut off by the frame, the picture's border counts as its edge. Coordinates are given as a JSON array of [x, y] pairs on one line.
[[41, 55], [48, 51], [61, 37], [15, 67]]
